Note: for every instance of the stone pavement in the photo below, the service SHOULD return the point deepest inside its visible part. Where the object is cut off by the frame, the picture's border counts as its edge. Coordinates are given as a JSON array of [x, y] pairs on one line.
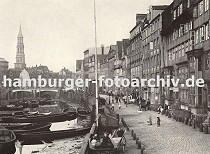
[[170, 138]]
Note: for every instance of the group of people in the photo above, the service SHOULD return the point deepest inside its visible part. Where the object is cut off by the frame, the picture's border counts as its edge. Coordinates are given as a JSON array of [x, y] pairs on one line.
[[118, 97], [106, 140], [149, 121]]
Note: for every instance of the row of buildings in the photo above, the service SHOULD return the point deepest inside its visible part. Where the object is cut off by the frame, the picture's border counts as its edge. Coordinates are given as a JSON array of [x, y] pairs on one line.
[[172, 40]]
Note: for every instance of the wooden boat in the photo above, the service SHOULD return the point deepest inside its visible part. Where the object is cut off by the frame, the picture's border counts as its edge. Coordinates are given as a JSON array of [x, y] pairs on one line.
[[83, 111], [117, 143], [47, 113], [11, 113], [33, 128], [7, 141], [12, 126], [11, 108], [35, 137], [41, 118], [82, 115]]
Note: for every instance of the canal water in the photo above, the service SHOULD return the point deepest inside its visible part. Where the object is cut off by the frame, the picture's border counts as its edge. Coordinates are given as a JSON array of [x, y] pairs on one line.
[[63, 146]]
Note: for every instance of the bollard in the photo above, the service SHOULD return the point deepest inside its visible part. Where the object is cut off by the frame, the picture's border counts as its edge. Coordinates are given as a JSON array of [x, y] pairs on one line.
[[169, 115], [134, 136], [139, 144], [166, 113], [137, 139], [132, 133], [201, 128], [205, 129], [142, 149]]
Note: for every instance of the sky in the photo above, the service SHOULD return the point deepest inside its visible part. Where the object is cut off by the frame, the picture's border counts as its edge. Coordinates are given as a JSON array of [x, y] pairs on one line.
[[57, 32]]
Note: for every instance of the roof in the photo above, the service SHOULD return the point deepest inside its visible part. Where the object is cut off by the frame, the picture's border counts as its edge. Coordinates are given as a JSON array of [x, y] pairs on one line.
[[20, 32], [159, 7], [3, 60]]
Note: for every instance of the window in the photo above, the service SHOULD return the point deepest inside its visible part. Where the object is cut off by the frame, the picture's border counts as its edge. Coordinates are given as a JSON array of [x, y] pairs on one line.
[[180, 9], [183, 51], [201, 33], [174, 14], [190, 25], [195, 12], [196, 36], [206, 5], [192, 95], [207, 61], [200, 8], [182, 27], [151, 45], [188, 3], [207, 31]]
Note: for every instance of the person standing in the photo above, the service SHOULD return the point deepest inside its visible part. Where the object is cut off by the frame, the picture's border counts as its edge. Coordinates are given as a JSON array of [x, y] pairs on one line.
[[149, 120], [116, 98], [112, 107], [158, 121]]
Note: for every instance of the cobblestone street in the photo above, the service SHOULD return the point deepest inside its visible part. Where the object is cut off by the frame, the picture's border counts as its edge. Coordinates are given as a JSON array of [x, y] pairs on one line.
[[170, 138]]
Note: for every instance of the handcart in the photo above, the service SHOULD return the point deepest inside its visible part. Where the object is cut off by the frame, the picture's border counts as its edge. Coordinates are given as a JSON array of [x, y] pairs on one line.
[[118, 143]]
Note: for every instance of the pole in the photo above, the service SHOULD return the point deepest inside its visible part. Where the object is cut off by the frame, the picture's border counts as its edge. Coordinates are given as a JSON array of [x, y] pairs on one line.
[[96, 64]]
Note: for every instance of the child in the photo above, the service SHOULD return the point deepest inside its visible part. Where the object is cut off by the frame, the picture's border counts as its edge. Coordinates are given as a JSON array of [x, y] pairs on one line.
[[149, 120]]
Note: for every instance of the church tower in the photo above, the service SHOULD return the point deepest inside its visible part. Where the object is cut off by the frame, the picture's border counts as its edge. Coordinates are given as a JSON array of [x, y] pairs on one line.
[[20, 55]]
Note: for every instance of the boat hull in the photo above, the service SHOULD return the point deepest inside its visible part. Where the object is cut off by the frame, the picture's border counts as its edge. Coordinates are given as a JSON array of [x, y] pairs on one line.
[[47, 136], [41, 118], [12, 126], [33, 128], [7, 141]]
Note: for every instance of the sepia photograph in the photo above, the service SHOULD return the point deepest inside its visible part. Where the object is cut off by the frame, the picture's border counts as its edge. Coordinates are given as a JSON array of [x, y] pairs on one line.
[[104, 76]]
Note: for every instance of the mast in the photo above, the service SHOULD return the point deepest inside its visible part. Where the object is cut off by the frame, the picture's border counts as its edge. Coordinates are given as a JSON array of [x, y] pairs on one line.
[[96, 65]]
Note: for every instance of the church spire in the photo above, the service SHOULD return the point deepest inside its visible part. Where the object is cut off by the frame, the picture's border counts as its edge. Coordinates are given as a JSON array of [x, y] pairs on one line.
[[20, 32], [20, 55]]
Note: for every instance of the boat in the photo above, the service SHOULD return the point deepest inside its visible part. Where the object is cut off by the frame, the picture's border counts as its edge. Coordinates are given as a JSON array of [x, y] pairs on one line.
[[83, 111], [11, 113], [12, 126], [34, 113], [33, 128], [117, 143], [11, 108], [7, 141], [47, 113], [42, 118], [34, 137]]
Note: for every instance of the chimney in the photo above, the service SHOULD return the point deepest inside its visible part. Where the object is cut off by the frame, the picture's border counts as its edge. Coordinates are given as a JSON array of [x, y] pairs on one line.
[[140, 17]]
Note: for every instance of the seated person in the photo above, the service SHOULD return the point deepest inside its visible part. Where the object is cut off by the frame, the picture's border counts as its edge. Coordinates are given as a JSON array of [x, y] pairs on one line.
[[94, 140], [120, 132], [106, 140]]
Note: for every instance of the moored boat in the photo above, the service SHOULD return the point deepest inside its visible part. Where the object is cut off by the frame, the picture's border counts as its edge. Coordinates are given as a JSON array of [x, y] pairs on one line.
[[33, 128], [31, 138], [83, 111], [41, 118], [7, 141], [12, 126], [11, 108]]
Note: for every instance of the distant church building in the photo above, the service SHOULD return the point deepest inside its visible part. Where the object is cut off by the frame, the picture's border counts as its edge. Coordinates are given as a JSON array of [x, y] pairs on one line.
[[20, 55]]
